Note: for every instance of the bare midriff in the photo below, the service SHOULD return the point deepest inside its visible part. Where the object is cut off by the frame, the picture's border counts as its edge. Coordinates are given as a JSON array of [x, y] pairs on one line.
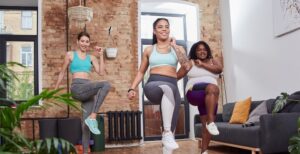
[[81, 75], [169, 71]]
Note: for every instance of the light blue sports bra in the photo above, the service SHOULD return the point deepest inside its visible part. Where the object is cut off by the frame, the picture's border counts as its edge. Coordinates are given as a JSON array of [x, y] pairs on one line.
[[80, 65], [160, 59]]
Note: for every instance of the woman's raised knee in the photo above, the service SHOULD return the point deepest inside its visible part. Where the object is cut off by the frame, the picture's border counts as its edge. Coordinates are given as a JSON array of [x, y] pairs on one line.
[[107, 85], [212, 89]]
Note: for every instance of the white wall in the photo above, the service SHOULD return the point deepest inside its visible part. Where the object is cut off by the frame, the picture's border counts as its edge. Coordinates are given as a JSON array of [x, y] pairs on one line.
[[256, 63]]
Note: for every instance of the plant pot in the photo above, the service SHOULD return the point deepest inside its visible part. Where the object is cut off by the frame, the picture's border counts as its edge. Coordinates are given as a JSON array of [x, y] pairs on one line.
[[111, 52]]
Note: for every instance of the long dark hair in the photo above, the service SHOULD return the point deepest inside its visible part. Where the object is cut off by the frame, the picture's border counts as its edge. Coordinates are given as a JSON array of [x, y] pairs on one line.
[[154, 39], [192, 54], [84, 33]]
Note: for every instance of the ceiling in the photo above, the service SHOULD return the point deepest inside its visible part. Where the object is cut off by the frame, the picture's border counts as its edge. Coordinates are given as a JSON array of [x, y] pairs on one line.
[[18, 2]]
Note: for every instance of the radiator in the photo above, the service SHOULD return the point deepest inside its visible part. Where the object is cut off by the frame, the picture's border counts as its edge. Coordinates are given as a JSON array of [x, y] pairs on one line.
[[124, 125]]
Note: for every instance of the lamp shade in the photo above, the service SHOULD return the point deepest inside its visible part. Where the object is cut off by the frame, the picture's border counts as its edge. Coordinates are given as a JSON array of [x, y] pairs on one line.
[[80, 14]]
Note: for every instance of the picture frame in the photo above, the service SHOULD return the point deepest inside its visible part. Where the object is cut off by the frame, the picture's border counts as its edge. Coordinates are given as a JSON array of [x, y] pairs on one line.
[[286, 16]]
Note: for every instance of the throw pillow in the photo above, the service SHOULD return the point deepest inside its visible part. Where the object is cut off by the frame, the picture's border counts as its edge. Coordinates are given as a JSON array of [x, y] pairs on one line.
[[261, 109], [241, 111], [227, 111]]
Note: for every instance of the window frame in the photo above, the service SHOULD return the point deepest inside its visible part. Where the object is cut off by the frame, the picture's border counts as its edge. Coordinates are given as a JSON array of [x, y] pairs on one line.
[[2, 22], [30, 38]]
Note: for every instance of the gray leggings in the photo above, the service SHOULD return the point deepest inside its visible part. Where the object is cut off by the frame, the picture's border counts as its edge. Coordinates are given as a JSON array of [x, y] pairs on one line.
[[154, 91], [91, 95]]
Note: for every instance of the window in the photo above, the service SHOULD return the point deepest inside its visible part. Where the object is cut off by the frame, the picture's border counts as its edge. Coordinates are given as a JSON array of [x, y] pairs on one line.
[[1, 21], [20, 44], [26, 56], [26, 20]]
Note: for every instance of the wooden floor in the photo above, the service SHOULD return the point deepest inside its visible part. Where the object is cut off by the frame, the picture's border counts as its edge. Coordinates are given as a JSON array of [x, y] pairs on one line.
[[185, 147]]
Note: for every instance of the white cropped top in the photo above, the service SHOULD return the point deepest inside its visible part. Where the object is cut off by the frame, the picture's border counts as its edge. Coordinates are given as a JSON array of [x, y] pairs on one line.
[[198, 74]]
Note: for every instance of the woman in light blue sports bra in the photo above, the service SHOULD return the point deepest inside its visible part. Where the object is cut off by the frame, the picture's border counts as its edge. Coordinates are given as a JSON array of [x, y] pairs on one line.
[[162, 58], [90, 94]]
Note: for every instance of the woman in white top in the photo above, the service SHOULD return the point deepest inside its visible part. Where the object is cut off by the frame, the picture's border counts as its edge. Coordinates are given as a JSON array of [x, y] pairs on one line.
[[202, 88]]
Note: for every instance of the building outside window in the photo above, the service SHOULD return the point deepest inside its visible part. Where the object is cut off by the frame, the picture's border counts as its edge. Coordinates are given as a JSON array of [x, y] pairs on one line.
[[2, 21], [26, 20], [26, 56]]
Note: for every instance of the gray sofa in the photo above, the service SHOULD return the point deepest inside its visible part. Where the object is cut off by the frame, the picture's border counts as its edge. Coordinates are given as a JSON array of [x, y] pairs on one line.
[[269, 135]]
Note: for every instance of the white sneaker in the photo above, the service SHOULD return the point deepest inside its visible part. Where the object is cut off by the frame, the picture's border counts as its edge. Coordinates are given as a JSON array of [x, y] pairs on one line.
[[168, 141], [167, 151], [205, 152], [212, 128]]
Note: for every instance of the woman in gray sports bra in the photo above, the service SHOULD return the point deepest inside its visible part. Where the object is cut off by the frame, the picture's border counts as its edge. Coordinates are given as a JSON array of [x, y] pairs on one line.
[[161, 87]]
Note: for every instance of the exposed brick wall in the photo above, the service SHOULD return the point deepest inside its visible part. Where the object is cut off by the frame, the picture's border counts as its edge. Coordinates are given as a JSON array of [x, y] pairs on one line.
[[122, 15], [210, 24]]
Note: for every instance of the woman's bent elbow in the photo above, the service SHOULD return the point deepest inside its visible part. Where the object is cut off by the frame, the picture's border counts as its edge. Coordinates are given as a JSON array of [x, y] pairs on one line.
[[187, 67]]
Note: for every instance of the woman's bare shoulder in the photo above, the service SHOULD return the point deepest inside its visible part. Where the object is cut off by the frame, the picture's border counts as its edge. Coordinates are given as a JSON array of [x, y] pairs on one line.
[[70, 54], [148, 49]]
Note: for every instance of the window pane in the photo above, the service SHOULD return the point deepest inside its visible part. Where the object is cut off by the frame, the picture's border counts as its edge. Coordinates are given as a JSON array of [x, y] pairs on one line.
[[26, 19], [26, 13], [153, 121], [21, 52], [23, 61], [147, 73], [176, 26], [29, 60], [26, 54], [19, 22], [1, 21]]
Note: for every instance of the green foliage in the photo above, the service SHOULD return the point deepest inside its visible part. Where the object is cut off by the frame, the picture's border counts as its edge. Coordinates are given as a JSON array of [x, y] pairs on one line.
[[14, 141], [23, 88], [7, 76], [280, 102], [294, 142]]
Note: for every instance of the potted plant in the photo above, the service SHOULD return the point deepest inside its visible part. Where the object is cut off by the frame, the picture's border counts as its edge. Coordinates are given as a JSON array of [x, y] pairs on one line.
[[10, 118], [294, 142], [280, 103], [111, 52]]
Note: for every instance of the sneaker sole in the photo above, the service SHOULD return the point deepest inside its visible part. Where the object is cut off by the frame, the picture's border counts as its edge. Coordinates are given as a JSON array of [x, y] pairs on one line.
[[169, 148], [214, 134], [167, 151]]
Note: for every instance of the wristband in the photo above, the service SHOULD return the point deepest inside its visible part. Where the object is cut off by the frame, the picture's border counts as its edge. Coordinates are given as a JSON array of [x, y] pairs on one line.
[[130, 90]]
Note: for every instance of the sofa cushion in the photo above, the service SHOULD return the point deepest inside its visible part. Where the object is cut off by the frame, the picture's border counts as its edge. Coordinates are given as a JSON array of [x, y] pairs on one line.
[[234, 134], [296, 93], [228, 108], [293, 104], [227, 111], [261, 109], [255, 104], [241, 111], [270, 104]]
